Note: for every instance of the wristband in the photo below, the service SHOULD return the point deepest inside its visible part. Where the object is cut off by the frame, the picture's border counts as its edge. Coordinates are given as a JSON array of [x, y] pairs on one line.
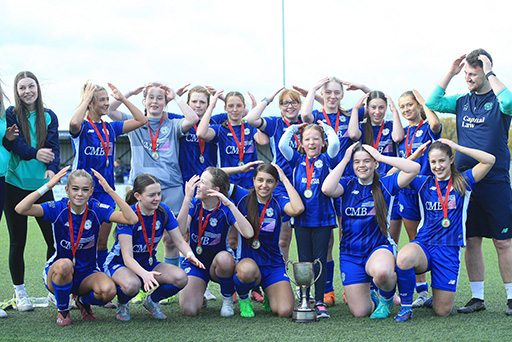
[[262, 123], [489, 74], [43, 190], [177, 98], [266, 100], [190, 254]]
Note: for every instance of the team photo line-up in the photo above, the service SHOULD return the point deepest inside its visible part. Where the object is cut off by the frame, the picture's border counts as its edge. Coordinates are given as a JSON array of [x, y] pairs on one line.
[[199, 187]]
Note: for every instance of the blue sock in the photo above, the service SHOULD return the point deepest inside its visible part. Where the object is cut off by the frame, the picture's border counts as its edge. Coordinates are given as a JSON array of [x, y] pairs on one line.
[[122, 297], [164, 291], [62, 293], [406, 282], [101, 256], [227, 286], [243, 288], [330, 276], [89, 299], [172, 261], [181, 260], [421, 287], [387, 295]]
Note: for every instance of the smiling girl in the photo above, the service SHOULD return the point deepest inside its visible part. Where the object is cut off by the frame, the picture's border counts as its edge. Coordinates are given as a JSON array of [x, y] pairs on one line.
[[76, 222], [35, 158]]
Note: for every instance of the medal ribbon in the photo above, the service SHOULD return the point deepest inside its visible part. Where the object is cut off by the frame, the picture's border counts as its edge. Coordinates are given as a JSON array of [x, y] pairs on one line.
[[74, 246], [309, 171], [444, 204], [288, 125], [262, 216], [202, 224], [144, 232], [202, 143], [376, 143], [408, 148], [241, 145], [154, 140], [105, 145], [329, 121]]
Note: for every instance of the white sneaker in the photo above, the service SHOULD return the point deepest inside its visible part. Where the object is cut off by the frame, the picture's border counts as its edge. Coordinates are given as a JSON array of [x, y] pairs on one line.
[[3, 313], [23, 303], [208, 295], [422, 298], [227, 309], [51, 299]]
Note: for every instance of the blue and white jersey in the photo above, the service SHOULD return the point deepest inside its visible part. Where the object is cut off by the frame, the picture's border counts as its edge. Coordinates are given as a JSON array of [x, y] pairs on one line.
[[57, 213], [164, 221], [214, 238], [361, 232], [269, 252], [418, 136], [319, 209], [89, 152], [387, 146], [228, 150], [275, 129], [432, 232]]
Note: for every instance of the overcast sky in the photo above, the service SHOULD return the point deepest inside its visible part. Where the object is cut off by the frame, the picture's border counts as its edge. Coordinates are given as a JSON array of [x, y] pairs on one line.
[[392, 46]]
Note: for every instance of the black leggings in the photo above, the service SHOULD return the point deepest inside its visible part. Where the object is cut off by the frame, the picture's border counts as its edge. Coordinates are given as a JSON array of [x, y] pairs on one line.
[[17, 226]]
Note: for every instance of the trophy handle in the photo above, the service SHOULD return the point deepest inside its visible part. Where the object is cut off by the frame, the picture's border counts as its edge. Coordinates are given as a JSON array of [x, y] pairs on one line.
[[286, 269], [320, 272]]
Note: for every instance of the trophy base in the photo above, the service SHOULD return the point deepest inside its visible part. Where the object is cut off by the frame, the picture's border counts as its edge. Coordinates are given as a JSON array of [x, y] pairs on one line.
[[304, 316]]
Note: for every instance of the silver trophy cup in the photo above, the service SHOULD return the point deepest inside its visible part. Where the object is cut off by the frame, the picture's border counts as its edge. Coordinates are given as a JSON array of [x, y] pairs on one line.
[[303, 274]]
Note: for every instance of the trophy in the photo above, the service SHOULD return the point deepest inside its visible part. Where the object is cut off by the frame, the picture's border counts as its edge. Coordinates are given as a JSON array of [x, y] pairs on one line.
[[303, 274]]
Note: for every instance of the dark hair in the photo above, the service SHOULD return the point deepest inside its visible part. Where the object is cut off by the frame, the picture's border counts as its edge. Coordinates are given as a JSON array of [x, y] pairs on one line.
[[232, 94], [139, 186], [219, 179], [459, 183], [410, 94], [253, 215], [368, 128], [381, 207], [317, 128], [21, 111], [200, 90], [472, 58]]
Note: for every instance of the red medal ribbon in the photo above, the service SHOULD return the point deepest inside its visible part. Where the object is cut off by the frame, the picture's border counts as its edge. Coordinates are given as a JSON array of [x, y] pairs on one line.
[[288, 125], [444, 204], [329, 121], [144, 232], [202, 224], [202, 143], [262, 216], [408, 148], [105, 145], [241, 145], [154, 140], [376, 143], [74, 246], [309, 171]]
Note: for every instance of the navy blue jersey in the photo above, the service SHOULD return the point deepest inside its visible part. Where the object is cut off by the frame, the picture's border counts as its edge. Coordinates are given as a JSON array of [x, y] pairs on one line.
[[387, 146], [89, 151], [319, 209], [57, 213], [214, 238], [432, 232], [269, 252], [417, 136], [164, 221], [361, 232]]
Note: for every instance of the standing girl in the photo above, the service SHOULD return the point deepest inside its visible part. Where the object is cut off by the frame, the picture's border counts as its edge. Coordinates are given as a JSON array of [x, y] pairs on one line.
[[262, 261], [366, 250], [208, 217], [132, 263], [34, 161], [76, 222], [310, 166], [444, 199], [236, 140], [93, 141]]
